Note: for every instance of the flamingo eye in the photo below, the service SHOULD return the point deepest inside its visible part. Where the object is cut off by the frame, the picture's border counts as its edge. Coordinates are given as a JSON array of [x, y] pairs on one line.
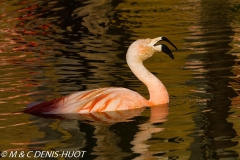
[[148, 40]]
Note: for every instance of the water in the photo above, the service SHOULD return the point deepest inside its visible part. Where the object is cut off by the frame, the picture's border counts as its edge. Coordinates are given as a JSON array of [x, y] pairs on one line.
[[52, 48]]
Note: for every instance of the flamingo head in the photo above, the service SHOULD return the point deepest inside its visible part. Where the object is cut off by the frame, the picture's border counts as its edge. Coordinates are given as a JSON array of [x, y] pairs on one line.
[[142, 49]]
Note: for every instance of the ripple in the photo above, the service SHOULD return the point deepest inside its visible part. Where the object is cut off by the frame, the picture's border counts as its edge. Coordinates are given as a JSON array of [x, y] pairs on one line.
[[52, 48]]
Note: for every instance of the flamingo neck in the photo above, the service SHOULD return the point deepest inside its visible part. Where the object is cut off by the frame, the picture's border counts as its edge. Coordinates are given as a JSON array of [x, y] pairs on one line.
[[158, 92]]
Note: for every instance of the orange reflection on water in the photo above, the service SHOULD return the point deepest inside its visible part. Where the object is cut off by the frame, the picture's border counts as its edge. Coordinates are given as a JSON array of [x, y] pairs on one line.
[[147, 130], [107, 140]]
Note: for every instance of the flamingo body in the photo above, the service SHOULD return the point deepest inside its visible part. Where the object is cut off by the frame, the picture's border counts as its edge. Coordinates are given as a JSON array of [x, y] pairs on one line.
[[113, 99], [97, 100]]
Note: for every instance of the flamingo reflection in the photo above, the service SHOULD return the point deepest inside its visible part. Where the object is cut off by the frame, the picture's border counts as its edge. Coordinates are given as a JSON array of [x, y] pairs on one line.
[[105, 130]]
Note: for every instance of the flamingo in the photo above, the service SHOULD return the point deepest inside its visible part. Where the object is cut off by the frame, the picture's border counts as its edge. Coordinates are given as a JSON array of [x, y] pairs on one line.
[[115, 98]]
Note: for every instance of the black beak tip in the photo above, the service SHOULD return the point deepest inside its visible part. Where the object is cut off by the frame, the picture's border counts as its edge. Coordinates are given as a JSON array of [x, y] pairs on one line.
[[166, 50], [165, 39]]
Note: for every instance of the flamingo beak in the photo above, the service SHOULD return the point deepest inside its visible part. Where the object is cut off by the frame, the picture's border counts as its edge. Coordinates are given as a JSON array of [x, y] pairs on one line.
[[165, 39], [163, 47], [166, 50]]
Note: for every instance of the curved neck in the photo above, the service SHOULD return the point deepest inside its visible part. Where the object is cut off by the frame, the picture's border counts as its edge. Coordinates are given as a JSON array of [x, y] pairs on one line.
[[158, 92]]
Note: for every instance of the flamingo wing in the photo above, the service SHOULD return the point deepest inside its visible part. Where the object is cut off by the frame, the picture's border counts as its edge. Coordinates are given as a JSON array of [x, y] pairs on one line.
[[97, 100]]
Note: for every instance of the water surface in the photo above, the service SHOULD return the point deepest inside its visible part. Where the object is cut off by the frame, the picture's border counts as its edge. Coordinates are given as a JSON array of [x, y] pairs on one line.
[[53, 48]]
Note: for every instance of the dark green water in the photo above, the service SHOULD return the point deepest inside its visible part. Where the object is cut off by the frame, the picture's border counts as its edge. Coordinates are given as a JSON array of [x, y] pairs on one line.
[[53, 48]]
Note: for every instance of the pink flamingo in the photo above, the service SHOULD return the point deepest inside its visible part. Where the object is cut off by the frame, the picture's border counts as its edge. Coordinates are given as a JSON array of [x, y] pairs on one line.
[[112, 98]]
